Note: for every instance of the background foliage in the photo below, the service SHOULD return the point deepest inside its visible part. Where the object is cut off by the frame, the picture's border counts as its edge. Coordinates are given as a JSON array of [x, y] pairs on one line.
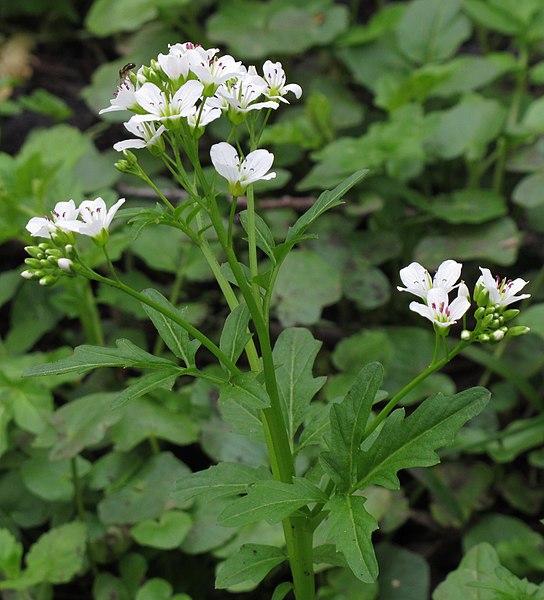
[[441, 100]]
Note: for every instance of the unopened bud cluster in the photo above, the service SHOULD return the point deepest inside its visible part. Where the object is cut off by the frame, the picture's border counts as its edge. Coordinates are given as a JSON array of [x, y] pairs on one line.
[[50, 260]]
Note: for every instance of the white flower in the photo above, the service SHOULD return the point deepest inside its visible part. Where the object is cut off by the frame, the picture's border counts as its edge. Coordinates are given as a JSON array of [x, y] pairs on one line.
[[418, 280], [44, 226], [208, 114], [124, 98], [161, 108], [147, 135], [96, 217], [241, 96], [217, 70], [175, 66], [188, 48], [274, 76], [501, 291], [239, 175], [438, 308]]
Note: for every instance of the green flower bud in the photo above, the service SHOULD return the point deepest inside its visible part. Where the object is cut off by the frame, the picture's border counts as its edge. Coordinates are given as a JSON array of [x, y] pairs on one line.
[[497, 336], [466, 335], [510, 314], [48, 280], [33, 262], [479, 313], [519, 330], [34, 251], [483, 337]]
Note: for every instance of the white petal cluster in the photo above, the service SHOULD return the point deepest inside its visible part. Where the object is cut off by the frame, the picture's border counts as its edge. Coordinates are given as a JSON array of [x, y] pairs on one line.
[[502, 292], [91, 218], [241, 173], [195, 86], [435, 291]]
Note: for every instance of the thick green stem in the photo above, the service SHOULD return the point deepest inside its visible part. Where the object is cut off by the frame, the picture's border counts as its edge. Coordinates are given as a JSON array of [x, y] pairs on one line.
[[89, 317]]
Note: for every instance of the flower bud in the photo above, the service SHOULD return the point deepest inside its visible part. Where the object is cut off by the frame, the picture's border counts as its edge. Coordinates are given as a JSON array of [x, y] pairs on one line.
[[34, 251], [497, 336], [27, 274], [482, 297], [483, 337], [35, 263], [65, 264], [510, 314], [519, 330], [47, 280], [466, 335], [479, 313]]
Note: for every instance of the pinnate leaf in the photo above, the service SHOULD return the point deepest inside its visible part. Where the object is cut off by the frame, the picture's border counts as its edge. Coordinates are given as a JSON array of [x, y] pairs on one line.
[[294, 354], [350, 528], [88, 357], [348, 421], [173, 334], [223, 479], [412, 442], [251, 564], [271, 501]]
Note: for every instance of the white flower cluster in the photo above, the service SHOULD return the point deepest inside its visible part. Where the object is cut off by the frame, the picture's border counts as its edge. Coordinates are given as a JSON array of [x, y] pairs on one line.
[[492, 294], [198, 86], [91, 218]]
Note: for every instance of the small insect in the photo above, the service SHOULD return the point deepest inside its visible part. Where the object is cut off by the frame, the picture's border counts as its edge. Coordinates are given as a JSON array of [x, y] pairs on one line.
[[124, 71]]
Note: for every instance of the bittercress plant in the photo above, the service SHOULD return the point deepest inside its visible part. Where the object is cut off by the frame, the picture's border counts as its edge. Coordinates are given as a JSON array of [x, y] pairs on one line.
[[266, 387]]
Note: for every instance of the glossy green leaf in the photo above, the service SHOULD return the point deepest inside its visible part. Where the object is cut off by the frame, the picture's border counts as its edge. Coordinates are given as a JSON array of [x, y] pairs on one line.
[[413, 441], [350, 528], [146, 495], [106, 17], [143, 419], [528, 192], [223, 479], [11, 552], [56, 557], [271, 501], [251, 564], [497, 242], [173, 334], [86, 358], [294, 354], [304, 286], [469, 206], [432, 30], [241, 400], [348, 420], [235, 334], [505, 16], [167, 533], [467, 128]]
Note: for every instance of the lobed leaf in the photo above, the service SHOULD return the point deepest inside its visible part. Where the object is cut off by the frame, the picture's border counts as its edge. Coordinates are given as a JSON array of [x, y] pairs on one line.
[[235, 334], [251, 564]]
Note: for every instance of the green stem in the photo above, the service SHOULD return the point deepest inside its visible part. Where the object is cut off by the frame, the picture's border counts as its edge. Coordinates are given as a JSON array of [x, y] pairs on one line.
[[196, 333], [434, 366], [173, 298], [89, 317], [78, 498], [252, 243]]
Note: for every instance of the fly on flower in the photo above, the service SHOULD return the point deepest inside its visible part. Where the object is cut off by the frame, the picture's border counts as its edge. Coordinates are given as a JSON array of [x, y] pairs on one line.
[[124, 71]]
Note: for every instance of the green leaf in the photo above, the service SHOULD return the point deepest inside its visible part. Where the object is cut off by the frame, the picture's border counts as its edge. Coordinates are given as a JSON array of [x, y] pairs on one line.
[[325, 202], [251, 564], [467, 128], [432, 30], [11, 552], [304, 286], [166, 534], [143, 419], [411, 442], [173, 334], [223, 479], [404, 575], [282, 590], [106, 17], [270, 501], [146, 495], [348, 422], [505, 16], [87, 357], [235, 334], [528, 191], [264, 238], [519, 436], [81, 423], [469, 206], [350, 528], [480, 576], [55, 558], [164, 378], [497, 241], [294, 354], [241, 401]]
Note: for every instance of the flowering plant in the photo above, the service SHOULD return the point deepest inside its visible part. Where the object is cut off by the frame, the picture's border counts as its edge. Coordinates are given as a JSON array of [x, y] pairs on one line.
[[320, 466]]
